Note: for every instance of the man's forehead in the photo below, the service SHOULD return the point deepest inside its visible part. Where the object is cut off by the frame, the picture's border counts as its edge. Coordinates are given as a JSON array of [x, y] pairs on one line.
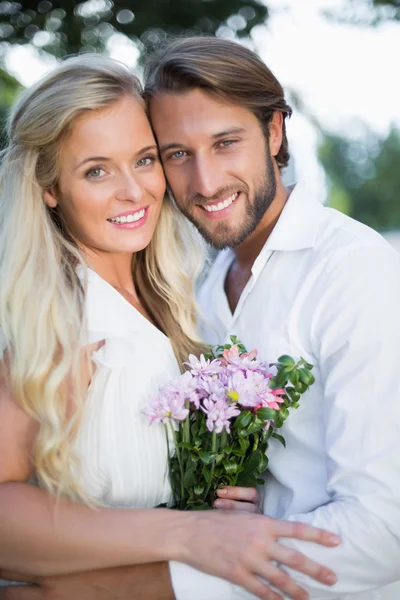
[[197, 111]]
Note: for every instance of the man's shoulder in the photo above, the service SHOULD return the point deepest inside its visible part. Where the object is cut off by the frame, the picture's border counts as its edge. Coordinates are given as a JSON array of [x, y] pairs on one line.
[[340, 235]]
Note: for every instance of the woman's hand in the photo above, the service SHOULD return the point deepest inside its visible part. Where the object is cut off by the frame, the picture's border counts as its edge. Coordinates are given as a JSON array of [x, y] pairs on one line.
[[238, 498], [246, 549]]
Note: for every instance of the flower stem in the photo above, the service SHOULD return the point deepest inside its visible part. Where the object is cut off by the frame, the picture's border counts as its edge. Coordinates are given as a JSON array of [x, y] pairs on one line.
[[186, 426], [178, 455], [213, 449]]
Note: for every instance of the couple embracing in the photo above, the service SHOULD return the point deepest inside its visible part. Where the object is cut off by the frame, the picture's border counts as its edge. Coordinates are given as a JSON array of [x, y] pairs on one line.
[[97, 309]]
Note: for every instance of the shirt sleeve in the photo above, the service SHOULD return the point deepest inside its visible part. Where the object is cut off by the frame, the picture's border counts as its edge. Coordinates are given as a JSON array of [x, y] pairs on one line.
[[190, 584], [356, 335]]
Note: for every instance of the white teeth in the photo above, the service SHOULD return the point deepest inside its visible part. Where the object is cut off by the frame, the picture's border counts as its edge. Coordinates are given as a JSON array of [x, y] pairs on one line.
[[221, 205], [129, 219]]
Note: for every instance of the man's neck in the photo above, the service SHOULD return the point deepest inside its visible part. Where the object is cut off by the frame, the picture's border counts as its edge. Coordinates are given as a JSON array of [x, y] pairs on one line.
[[245, 254]]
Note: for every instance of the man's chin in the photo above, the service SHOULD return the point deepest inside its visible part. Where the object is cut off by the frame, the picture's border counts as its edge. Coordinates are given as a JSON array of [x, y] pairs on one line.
[[220, 240]]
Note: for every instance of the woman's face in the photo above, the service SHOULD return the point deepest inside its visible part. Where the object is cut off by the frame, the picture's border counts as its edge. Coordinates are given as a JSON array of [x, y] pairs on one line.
[[111, 183]]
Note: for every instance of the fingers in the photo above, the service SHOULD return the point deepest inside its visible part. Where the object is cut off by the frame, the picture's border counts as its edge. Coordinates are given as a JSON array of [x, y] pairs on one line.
[[257, 587], [243, 494], [282, 581], [14, 576], [22, 592], [235, 505], [302, 531], [301, 563]]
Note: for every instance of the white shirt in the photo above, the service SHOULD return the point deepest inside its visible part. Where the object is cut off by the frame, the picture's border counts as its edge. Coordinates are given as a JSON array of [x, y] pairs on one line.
[[325, 288]]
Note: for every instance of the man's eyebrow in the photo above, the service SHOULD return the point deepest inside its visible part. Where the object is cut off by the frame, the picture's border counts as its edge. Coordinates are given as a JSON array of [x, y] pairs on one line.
[[215, 136], [230, 131], [171, 146]]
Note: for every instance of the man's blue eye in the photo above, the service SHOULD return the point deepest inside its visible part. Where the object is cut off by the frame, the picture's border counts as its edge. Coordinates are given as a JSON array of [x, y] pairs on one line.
[[178, 154]]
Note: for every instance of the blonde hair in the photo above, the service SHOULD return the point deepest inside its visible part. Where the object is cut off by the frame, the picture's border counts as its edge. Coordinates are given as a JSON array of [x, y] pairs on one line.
[[41, 297]]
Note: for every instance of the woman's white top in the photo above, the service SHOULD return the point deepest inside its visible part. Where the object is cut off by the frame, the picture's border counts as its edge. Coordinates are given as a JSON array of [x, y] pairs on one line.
[[123, 459]]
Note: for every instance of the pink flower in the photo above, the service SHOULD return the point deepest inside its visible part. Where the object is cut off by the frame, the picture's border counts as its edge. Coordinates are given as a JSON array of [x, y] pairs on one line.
[[229, 353], [165, 408], [202, 366], [219, 413], [187, 385], [242, 390]]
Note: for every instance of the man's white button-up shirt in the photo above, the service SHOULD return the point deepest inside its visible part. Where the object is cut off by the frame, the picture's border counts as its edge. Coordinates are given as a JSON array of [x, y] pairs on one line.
[[325, 288]]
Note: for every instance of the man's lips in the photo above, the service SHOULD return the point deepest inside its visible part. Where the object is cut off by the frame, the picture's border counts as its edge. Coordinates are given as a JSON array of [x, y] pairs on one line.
[[220, 205]]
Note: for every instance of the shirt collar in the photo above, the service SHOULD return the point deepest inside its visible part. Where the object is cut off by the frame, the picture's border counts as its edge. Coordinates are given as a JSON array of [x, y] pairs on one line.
[[297, 227]]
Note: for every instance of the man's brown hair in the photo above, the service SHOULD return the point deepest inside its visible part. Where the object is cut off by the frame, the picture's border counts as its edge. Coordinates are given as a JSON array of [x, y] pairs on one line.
[[225, 69]]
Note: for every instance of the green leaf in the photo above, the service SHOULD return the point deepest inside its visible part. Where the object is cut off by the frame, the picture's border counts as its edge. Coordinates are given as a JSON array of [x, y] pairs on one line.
[[306, 377], [286, 360], [238, 452], [263, 463], [243, 419], [230, 465], [185, 445], [267, 414], [293, 394], [282, 377], [284, 413], [280, 438], [306, 364], [207, 457], [301, 387], [189, 478], [252, 463], [294, 378], [244, 443], [198, 489]]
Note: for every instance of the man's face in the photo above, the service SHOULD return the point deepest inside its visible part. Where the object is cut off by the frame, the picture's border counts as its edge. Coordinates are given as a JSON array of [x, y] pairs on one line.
[[217, 163]]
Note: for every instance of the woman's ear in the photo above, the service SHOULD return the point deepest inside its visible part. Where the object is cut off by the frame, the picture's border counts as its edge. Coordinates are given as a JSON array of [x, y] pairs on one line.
[[275, 133], [49, 198]]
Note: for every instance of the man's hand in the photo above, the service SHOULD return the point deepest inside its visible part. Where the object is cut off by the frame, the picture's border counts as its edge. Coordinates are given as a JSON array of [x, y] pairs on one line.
[[140, 582], [238, 498]]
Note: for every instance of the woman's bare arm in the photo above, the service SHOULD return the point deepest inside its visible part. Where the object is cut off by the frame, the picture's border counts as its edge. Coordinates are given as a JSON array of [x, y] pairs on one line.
[[41, 535]]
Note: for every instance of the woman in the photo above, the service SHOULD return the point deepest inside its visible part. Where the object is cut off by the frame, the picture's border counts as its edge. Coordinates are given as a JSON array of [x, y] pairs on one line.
[[96, 309]]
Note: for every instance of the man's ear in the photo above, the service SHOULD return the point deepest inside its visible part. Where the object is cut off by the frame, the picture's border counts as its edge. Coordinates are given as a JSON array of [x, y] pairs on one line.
[[275, 133], [49, 198]]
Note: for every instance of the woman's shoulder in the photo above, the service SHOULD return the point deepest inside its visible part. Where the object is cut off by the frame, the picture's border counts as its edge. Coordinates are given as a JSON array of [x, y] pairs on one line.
[[123, 330]]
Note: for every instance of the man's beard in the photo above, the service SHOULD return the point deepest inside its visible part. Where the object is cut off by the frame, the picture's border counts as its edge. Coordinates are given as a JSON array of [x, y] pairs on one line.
[[223, 236]]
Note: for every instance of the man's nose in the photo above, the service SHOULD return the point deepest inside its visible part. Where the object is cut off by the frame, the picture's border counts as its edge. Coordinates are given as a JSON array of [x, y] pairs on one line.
[[207, 176], [129, 188]]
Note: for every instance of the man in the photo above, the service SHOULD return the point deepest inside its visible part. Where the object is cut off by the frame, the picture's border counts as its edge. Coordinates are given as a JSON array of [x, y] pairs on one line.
[[299, 279]]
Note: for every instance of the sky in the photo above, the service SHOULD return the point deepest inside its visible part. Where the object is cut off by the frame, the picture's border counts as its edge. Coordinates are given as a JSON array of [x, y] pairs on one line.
[[344, 74]]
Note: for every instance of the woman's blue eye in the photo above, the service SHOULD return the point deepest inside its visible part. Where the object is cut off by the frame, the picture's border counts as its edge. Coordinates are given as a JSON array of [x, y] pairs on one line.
[[95, 173], [146, 161]]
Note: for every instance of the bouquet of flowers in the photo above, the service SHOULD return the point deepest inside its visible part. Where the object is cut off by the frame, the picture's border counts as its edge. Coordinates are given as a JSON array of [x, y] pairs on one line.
[[220, 415]]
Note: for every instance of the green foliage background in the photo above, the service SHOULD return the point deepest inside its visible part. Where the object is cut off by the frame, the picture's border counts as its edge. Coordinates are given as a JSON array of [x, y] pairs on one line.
[[363, 175]]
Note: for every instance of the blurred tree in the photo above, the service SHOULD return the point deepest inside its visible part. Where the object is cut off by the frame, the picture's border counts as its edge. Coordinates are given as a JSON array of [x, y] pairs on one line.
[[64, 26], [8, 89], [366, 12], [364, 177]]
